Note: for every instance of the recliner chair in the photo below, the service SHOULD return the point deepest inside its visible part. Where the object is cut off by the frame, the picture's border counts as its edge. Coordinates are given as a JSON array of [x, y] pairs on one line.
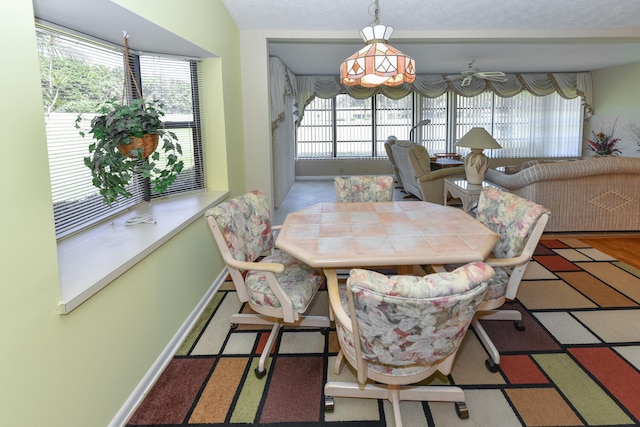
[[414, 165], [388, 144]]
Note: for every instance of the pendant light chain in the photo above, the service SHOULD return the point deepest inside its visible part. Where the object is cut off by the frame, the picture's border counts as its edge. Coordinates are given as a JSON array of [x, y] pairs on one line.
[[376, 12]]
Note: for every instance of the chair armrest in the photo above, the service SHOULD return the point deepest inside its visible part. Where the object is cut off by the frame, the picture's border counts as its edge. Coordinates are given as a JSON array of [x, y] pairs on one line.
[[493, 262], [272, 267], [333, 291], [441, 173], [507, 262], [288, 314]]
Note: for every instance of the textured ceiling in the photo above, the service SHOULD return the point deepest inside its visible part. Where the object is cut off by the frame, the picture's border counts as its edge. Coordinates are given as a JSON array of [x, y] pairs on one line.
[[436, 14], [314, 36]]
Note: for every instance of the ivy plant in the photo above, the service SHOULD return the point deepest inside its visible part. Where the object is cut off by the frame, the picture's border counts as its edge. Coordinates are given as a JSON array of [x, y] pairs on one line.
[[116, 125]]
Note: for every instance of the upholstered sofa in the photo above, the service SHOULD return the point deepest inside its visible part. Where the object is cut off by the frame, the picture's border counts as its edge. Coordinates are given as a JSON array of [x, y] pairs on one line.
[[591, 194], [413, 168]]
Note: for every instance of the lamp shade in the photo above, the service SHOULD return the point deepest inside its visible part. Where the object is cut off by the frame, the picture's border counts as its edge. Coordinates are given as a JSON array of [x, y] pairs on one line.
[[377, 63], [478, 138]]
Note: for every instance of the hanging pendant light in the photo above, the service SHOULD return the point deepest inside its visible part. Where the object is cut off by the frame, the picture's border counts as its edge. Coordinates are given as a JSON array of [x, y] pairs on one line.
[[377, 63]]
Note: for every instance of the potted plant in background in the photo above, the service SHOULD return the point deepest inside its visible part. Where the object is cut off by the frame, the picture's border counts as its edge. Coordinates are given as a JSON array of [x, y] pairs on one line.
[[604, 144], [126, 137]]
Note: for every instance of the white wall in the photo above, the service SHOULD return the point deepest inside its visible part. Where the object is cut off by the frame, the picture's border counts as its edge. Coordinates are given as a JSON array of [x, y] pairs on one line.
[[256, 106], [616, 97]]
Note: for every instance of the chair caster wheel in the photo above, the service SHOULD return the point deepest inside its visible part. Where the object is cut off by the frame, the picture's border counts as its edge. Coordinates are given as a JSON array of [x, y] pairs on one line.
[[324, 331], [519, 325], [462, 410], [233, 326], [491, 365], [329, 403], [260, 374]]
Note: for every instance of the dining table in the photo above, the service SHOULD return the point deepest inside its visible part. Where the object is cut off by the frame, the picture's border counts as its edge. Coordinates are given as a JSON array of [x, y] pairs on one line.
[[378, 234], [400, 234]]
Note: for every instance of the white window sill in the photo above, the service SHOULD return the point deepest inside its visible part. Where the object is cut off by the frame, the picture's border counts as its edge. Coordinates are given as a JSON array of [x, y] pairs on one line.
[[90, 260]]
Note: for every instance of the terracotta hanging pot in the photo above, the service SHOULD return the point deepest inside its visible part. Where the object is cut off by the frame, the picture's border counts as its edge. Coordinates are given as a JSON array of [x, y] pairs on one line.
[[148, 143]]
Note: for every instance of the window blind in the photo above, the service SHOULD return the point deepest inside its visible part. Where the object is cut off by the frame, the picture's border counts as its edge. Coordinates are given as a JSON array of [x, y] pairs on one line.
[[393, 117], [434, 135], [354, 127], [524, 125], [174, 83]]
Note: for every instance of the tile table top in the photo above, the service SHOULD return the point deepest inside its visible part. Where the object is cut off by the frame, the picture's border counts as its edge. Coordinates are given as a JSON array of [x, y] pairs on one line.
[[339, 235]]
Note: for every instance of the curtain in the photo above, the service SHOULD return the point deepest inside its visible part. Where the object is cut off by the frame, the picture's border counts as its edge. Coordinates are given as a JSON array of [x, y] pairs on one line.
[[282, 87], [567, 85]]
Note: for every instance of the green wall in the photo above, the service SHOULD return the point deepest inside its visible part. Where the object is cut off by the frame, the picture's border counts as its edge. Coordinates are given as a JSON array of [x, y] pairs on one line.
[[79, 369]]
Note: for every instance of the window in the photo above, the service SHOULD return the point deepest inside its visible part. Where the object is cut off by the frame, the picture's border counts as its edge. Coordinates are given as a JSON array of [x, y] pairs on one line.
[[77, 75], [346, 127], [175, 84], [393, 117], [434, 136], [316, 134], [354, 127], [525, 125]]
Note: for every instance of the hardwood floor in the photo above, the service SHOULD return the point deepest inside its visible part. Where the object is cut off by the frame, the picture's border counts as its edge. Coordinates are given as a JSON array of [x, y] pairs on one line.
[[626, 249]]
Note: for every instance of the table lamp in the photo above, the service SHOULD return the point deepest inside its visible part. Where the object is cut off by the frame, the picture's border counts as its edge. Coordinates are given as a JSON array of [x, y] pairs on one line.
[[476, 163]]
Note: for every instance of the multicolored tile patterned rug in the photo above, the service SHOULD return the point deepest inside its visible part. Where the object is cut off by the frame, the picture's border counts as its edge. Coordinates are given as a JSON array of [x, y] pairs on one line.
[[576, 364]]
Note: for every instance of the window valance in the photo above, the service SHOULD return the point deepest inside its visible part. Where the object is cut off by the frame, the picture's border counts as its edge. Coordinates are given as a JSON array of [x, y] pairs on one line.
[[282, 84], [567, 85]]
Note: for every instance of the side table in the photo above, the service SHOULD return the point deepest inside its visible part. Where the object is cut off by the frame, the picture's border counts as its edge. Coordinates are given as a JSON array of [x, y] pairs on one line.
[[467, 193], [445, 162]]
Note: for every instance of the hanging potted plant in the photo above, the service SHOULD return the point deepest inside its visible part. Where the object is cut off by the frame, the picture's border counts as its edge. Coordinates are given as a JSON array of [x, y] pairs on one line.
[[125, 140], [126, 136]]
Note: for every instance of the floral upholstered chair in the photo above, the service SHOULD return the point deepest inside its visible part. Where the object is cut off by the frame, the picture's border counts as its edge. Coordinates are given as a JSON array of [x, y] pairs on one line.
[[363, 188], [519, 223], [278, 287], [400, 330]]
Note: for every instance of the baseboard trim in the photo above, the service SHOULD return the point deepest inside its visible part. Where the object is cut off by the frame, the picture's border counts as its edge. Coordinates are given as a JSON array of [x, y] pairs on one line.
[[143, 388], [314, 178]]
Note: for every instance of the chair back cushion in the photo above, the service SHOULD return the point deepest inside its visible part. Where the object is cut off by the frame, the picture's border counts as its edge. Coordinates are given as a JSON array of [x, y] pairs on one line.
[[413, 157], [388, 144], [363, 188], [406, 320], [420, 159], [511, 217], [245, 223]]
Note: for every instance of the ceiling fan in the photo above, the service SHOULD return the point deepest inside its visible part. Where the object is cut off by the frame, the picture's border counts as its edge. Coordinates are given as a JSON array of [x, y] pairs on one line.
[[471, 72]]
